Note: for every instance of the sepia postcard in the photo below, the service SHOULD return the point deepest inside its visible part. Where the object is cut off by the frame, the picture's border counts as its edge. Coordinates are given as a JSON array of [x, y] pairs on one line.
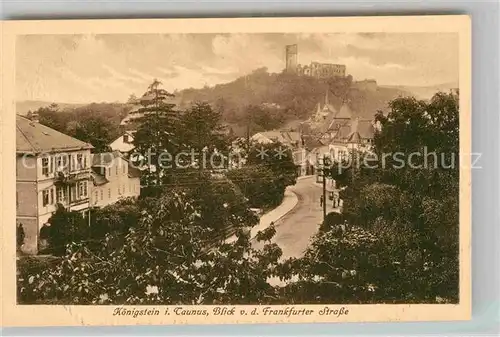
[[246, 170]]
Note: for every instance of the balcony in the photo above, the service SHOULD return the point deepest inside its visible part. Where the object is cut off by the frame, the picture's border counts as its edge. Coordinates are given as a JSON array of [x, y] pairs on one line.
[[65, 178]]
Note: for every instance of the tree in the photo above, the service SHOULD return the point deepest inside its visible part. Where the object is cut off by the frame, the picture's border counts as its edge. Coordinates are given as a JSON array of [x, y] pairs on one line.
[[65, 227], [410, 212], [155, 134], [260, 185], [221, 204], [132, 99], [95, 130], [277, 157], [115, 219], [201, 130], [52, 117], [162, 260]]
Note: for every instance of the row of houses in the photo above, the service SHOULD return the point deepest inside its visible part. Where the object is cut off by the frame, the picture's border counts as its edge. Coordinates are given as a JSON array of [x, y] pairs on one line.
[[54, 169], [330, 131]]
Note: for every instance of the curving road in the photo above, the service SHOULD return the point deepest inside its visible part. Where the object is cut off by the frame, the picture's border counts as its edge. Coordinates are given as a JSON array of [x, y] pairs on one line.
[[294, 230]]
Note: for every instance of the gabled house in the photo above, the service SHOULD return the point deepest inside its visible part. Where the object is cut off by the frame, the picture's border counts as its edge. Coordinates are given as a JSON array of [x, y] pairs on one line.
[[51, 168], [124, 144], [113, 178], [357, 135]]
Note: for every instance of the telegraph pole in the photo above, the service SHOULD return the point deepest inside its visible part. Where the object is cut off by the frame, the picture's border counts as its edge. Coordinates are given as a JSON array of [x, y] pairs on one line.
[[324, 187], [324, 193], [249, 115]]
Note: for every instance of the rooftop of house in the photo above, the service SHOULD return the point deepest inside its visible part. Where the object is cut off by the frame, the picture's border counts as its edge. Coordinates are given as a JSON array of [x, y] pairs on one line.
[[355, 131], [311, 142], [33, 137], [98, 179], [104, 158], [124, 143], [345, 112], [285, 137]]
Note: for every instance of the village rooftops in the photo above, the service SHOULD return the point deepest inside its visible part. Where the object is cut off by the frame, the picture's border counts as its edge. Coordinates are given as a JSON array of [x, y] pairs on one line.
[[33, 138], [355, 131], [284, 137]]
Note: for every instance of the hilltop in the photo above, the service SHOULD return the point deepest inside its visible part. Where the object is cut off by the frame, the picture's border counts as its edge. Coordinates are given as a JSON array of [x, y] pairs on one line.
[[262, 99], [287, 98]]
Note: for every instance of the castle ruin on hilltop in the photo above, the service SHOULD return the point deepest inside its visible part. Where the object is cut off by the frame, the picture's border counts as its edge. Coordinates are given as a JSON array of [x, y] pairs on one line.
[[315, 69]]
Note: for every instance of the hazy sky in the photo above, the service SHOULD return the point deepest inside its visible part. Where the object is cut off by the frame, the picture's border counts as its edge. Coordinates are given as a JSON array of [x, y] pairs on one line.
[[96, 68]]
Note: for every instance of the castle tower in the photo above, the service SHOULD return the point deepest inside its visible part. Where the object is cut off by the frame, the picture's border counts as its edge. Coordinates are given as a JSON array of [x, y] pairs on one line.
[[291, 58]]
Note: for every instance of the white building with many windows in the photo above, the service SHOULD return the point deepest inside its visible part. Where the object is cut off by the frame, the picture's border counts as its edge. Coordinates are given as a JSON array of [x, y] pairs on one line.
[[51, 168]]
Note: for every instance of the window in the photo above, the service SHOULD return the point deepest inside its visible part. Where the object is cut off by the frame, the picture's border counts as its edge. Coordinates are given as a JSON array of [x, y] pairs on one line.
[[102, 194], [96, 196], [116, 169], [109, 193], [125, 138], [79, 161], [85, 161], [82, 189], [74, 192], [59, 162], [51, 169], [45, 166], [45, 197], [124, 168], [60, 195], [52, 200]]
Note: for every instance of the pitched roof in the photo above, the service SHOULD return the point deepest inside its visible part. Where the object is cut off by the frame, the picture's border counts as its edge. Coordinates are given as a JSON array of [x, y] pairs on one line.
[[355, 131], [33, 137], [345, 112], [105, 158], [285, 137], [119, 144], [343, 132], [312, 142]]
